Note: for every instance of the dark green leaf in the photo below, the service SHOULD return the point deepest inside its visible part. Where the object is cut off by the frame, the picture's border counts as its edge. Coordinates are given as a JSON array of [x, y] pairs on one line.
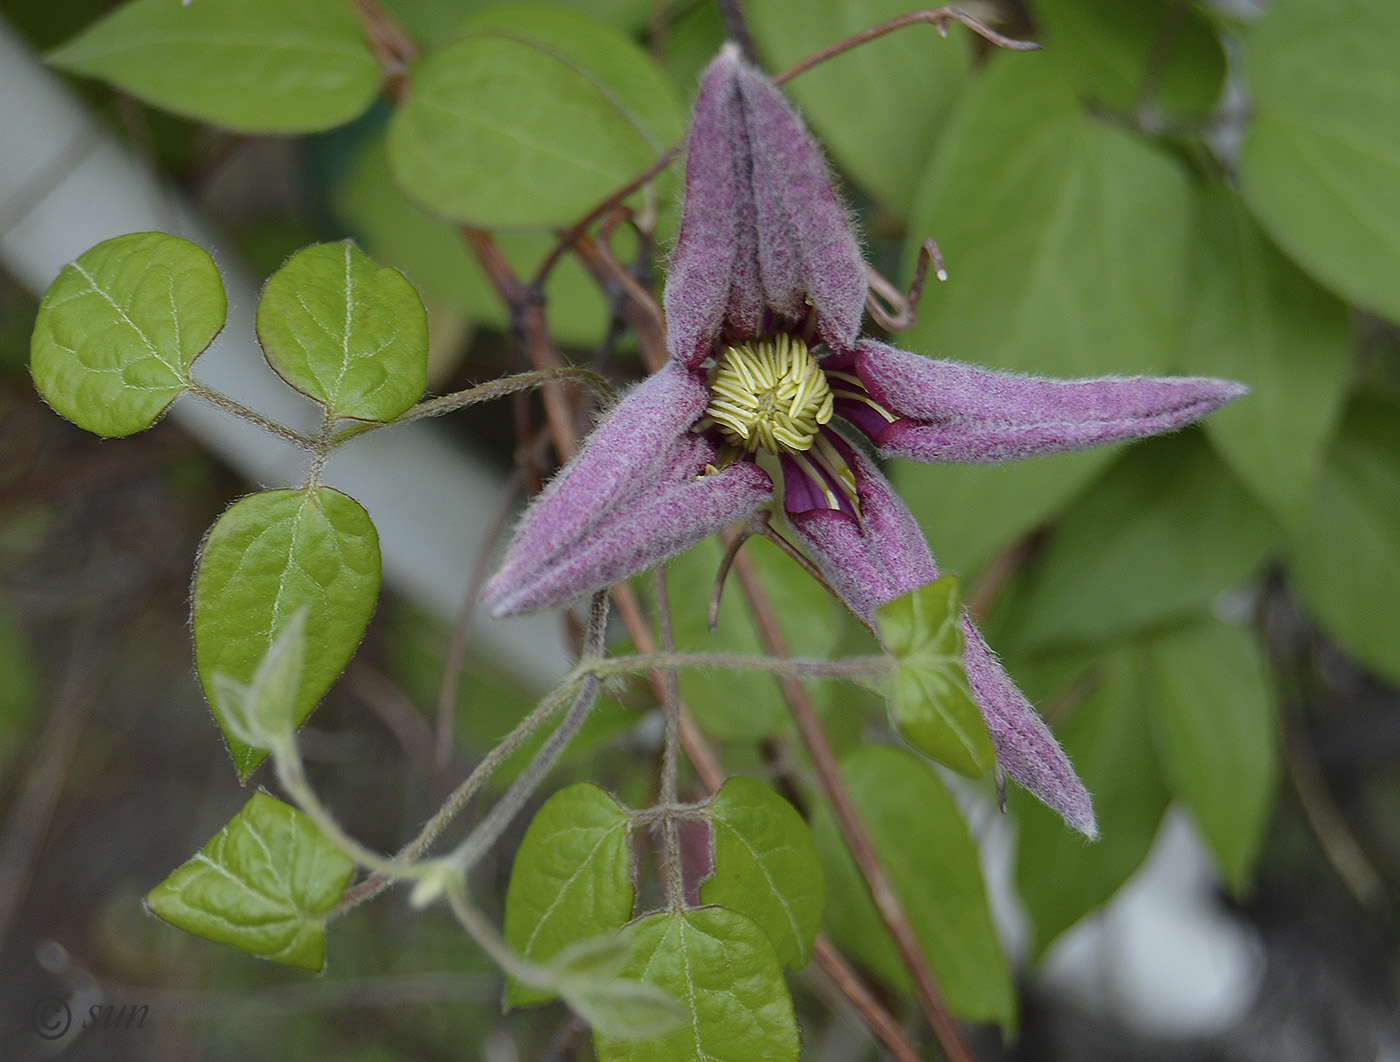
[[880, 107], [119, 328], [931, 702], [1217, 736], [923, 842], [766, 867], [268, 557], [1061, 878], [1115, 51], [1344, 552], [257, 66], [263, 884], [1254, 316], [345, 332], [571, 879], [722, 968], [1320, 163], [529, 120], [1165, 532]]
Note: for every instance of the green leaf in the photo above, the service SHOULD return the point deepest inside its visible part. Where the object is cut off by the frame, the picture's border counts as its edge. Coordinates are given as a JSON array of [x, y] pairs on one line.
[[1215, 719], [256, 66], [1064, 240], [723, 969], [766, 867], [346, 332], [529, 120], [930, 700], [1320, 162], [923, 842], [119, 328], [1254, 316], [1166, 531], [737, 706], [879, 108], [268, 557], [571, 879], [263, 884], [1344, 551], [1112, 50], [1108, 738]]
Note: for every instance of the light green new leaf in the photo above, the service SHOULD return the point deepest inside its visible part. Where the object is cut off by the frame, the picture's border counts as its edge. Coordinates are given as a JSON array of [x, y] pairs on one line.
[[723, 970], [742, 706], [120, 327], [263, 884], [930, 700], [268, 557], [1108, 738], [1112, 51], [923, 842], [571, 880], [1165, 531], [1320, 163], [766, 867], [584, 975], [1215, 719], [1344, 552], [529, 120], [346, 332], [1254, 316], [257, 66], [878, 108], [260, 714], [1065, 240]]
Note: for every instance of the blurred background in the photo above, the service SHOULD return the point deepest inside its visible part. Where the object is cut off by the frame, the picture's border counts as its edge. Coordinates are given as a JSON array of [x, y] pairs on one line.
[[1211, 621]]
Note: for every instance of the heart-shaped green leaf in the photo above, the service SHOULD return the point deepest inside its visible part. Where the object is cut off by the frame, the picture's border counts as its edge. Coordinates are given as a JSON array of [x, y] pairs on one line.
[[270, 556], [263, 884], [930, 699], [119, 328], [766, 867], [258, 66], [571, 880], [346, 332], [722, 968]]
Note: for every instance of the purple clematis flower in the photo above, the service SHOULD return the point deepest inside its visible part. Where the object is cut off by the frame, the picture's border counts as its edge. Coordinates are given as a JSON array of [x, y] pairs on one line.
[[763, 307]]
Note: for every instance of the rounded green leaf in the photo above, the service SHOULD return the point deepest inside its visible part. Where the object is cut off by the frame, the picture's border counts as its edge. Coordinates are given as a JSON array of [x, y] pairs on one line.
[[1254, 316], [878, 108], [1158, 538], [529, 120], [1320, 163], [1344, 551], [1216, 723], [346, 332], [923, 842], [119, 328], [572, 879], [930, 699], [722, 968], [257, 66], [1109, 740], [263, 884], [1114, 50], [270, 556], [766, 867]]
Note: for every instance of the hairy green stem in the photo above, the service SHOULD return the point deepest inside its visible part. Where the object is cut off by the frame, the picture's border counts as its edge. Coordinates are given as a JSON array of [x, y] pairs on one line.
[[670, 755], [854, 667], [252, 416]]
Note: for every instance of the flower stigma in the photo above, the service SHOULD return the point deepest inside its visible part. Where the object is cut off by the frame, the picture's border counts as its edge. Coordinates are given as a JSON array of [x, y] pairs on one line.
[[769, 393]]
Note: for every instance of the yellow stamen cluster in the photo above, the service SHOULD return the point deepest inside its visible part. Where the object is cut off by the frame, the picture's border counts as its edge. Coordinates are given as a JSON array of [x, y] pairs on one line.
[[769, 393]]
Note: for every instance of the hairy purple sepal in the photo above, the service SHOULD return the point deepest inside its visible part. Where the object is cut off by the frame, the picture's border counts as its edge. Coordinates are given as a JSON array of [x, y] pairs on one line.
[[763, 237], [636, 494], [954, 412]]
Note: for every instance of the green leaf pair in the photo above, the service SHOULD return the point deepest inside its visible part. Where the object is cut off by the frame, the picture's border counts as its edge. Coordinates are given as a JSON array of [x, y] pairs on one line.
[[572, 884]]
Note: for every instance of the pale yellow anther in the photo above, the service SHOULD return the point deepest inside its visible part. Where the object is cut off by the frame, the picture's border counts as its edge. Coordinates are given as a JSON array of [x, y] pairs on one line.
[[769, 393]]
